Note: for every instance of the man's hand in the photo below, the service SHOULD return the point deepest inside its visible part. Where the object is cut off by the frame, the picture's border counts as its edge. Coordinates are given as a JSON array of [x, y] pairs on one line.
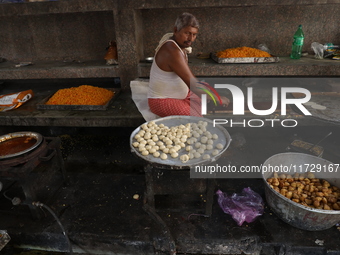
[[225, 101]]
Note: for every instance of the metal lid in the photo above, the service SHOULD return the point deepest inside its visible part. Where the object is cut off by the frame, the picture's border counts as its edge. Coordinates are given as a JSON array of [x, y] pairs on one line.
[[38, 137]]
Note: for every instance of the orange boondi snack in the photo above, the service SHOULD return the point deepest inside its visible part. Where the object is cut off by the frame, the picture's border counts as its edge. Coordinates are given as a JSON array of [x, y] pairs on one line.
[[82, 95], [242, 52]]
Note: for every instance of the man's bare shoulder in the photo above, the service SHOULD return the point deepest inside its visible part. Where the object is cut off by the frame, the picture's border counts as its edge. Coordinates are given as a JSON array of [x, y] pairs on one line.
[[168, 57], [169, 48]]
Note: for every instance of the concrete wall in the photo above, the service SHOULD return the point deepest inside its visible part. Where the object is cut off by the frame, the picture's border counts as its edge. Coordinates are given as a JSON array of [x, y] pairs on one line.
[[85, 35], [226, 27], [54, 37], [80, 30]]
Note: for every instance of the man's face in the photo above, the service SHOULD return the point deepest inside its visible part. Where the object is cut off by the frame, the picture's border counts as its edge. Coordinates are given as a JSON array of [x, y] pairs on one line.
[[186, 36]]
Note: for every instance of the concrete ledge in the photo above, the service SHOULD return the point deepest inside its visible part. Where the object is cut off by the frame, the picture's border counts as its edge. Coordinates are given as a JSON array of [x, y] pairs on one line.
[[306, 66], [121, 113], [58, 70]]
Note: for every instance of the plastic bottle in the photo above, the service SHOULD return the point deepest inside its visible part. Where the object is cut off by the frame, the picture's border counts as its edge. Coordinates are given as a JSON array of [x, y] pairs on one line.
[[297, 44]]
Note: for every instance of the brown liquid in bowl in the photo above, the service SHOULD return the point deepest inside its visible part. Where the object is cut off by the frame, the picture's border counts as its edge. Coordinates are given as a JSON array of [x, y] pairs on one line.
[[16, 145]]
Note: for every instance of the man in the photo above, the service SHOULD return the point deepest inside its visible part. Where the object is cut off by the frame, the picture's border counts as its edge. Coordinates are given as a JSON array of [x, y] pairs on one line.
[[173, 89]]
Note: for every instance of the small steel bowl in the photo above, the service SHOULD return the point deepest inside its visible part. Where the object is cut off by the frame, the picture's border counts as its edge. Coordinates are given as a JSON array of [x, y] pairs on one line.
[[149, 59]]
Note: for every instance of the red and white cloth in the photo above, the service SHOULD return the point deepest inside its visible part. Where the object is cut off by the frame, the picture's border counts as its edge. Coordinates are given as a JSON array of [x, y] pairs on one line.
[[189, 106]]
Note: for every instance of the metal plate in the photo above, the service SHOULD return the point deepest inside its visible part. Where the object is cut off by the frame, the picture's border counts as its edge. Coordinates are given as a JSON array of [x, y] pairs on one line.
[[9, 136], [272, 59], [171, 121], [329, 100], [149, 59], [43, 106], [332, 104]]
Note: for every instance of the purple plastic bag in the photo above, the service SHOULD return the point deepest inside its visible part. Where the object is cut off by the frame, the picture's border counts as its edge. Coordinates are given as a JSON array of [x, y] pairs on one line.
[[242, 207]]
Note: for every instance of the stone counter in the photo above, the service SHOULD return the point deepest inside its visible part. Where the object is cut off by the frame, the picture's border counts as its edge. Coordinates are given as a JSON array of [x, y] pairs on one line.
[[122, 112], [306, 66]]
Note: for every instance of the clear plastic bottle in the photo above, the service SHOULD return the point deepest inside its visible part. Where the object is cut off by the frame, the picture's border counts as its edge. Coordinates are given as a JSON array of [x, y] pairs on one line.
[[297, 43]]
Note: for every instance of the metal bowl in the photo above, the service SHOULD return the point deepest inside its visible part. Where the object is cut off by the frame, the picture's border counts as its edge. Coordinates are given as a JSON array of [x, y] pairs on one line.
[[293, 213], [175, 163], [38, 137], [149, 59]]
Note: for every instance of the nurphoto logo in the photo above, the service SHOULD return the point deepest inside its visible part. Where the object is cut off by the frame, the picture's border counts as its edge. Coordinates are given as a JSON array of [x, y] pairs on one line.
[[280, 97]]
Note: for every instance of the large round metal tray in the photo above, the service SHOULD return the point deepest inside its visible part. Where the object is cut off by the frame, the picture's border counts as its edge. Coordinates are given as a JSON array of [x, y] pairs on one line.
[[175, 163], [38, 137]]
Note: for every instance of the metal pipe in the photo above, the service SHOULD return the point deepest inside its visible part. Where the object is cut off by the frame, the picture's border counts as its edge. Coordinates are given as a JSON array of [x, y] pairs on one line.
[[310, 149], [39, 204]]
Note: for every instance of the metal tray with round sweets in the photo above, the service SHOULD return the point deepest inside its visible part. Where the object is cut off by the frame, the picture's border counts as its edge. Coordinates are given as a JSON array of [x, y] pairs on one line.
[[175, 163], [38, 137]]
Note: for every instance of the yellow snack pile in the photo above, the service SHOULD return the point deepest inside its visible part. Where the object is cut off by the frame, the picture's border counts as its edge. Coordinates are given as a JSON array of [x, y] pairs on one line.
[[82, 95], [242, 52]]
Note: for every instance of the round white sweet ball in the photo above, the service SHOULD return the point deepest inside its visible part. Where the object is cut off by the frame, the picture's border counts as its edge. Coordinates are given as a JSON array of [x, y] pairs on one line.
[[145, 152], [215, 152], [204, 139], [156, 154], [197, 145], [184, 158], [219, 146], [189, 148], [200, 150], [206, 156], [174, 154], [197, 154]]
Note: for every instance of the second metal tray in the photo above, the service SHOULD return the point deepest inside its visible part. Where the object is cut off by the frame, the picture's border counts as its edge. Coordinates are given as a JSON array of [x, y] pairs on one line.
[[43, 106], [254, 60]]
